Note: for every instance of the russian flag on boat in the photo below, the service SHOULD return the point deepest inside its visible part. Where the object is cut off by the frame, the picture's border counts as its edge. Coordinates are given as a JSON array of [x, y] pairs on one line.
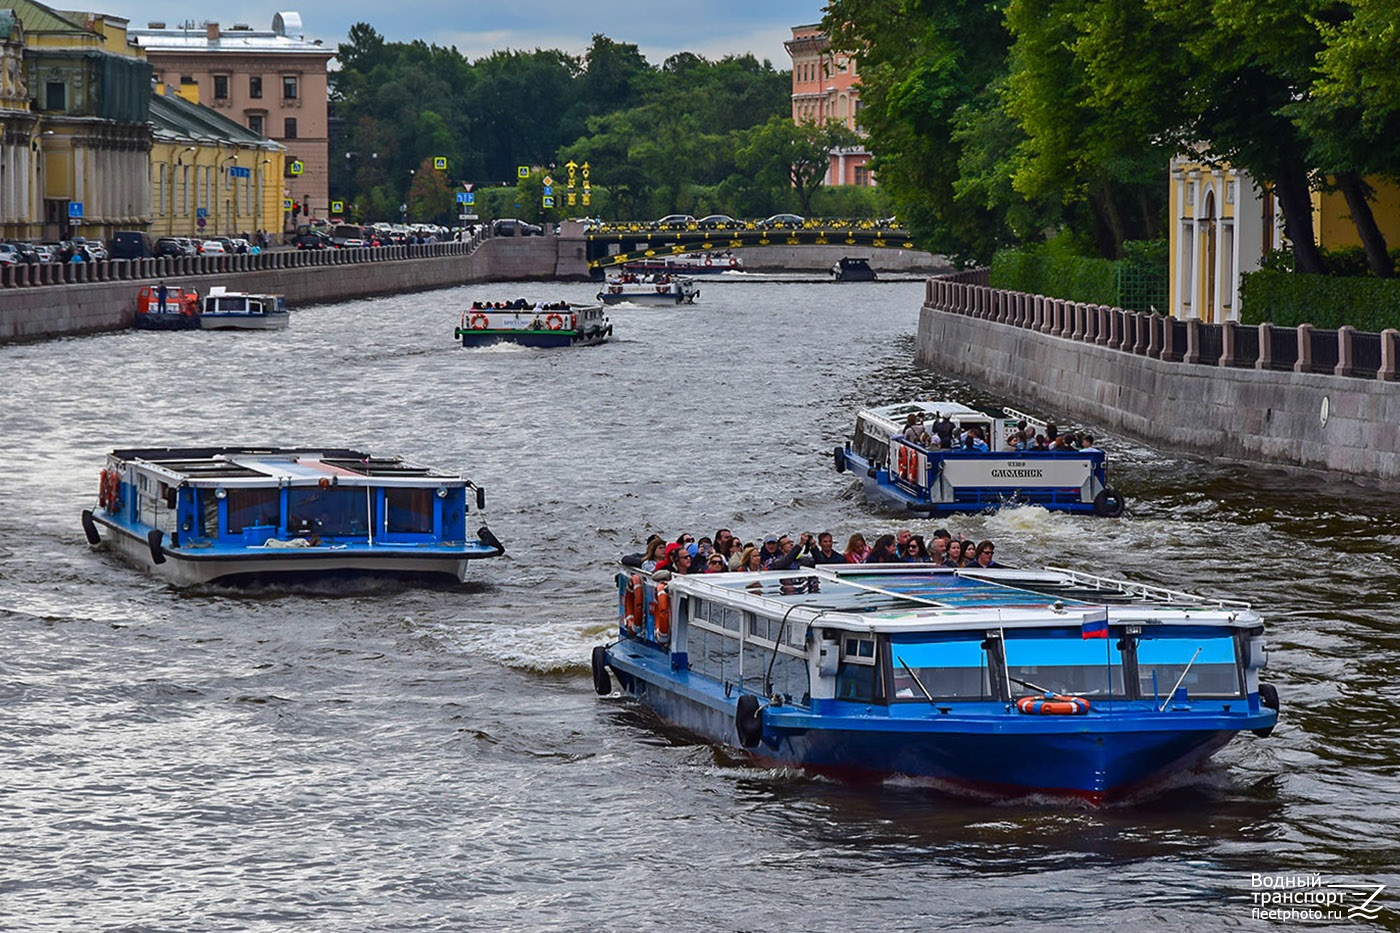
[[1094, 628]]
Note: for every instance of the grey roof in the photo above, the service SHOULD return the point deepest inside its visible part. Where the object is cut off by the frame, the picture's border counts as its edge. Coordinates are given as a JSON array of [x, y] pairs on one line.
[[284, 36], [176, 118]]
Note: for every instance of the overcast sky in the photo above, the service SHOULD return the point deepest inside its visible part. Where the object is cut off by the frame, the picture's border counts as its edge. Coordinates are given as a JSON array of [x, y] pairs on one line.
[[712, 28]]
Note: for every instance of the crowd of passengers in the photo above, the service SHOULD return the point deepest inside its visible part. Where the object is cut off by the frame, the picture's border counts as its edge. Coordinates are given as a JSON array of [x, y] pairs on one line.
[[519, 304], [941, 433], [726, 553]]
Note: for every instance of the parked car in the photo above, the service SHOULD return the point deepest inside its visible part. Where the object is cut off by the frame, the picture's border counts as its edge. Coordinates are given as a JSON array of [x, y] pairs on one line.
[[48, 252], [510, 226], [91, 249], [9, 255], [241, 245], [311, 239], [213, 248], [783, 222], [674, 222], [717, 222], [130, 244], [195, 247], [172, 246]]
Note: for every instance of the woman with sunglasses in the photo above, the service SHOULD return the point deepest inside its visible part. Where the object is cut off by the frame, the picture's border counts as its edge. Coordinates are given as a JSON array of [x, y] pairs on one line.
[[984, 555], [915, 552], [716, 564]]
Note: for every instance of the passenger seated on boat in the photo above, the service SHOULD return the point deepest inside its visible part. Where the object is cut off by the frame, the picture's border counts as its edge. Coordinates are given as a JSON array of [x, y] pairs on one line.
[[883, 552], [856, 549], [788, 555], [984, 555], [716, 564], [943, 428], [822, 551], [958, 555], [1086, 444], [655, 552], [972, 440], [937, 547], [916, 552], [751, 560]]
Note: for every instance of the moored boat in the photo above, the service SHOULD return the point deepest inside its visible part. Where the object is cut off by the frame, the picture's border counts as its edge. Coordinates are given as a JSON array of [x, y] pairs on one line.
[[198, 514], [659, 289], [994, 682], [913, 469], [852, 269], [226, 310], [708, 263], [178, 310], [559, 324]]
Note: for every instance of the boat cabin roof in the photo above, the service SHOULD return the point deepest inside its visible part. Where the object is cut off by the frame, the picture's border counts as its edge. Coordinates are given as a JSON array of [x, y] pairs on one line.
[[273, 466], [891, 417], [898, 598]]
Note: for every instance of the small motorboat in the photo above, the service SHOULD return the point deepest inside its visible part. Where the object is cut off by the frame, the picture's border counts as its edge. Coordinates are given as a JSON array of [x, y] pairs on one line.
[[166, 307], [226, 310]]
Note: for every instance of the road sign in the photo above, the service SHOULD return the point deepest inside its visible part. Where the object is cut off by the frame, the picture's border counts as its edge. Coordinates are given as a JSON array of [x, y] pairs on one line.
[[548, 189], [468, 185], [286, 204], [522, 171], [548, 201], [295, 167], [471, 197], [463, 197], [440, 163], [200, 223], [75, 208], [548, 181], [337, 207], [201, 212], [237, 171]]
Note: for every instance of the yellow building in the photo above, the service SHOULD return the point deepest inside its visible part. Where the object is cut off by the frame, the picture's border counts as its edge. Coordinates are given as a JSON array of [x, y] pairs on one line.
[[209, 175], [1223, 224]]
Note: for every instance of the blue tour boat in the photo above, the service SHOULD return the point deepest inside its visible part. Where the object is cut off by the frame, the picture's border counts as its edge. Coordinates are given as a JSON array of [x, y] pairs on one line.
[[907, 473], [226, 310], [558, 324], [198, 514], [994, 682], [657, 290]]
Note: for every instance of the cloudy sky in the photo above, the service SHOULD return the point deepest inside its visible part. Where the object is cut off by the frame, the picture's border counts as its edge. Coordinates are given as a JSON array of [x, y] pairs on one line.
[[712, 28]]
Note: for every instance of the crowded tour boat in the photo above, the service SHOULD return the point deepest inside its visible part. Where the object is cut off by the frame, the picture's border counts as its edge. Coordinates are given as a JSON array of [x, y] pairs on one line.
[[656, 289], [558, 324], [940, 457], [200, 514], [166, 307], [987, 681], [226, 310]]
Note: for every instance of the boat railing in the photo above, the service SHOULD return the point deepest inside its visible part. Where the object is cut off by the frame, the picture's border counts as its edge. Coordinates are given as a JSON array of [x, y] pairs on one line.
[[1146, 590]]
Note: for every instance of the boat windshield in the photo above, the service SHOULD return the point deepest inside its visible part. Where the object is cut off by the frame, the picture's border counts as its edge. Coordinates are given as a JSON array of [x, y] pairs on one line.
[[1065, 664], [946, 669], [1214, 673], [334, 511]]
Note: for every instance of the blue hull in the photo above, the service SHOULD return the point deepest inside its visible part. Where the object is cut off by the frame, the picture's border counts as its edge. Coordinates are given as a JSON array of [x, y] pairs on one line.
[[981, 748], [543, 339]]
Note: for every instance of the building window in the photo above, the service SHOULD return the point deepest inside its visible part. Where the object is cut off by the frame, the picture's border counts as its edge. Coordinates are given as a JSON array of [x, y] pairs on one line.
[[289, 128], [55, 95], [289, 87], [255, 123], [862, 176], [255, 87], [221, 87]]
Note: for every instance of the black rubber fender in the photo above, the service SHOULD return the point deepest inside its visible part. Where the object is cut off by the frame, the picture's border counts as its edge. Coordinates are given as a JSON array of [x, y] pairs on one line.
[[153, 539], [1109, 503], [602, 683], [1268, 698], [839, 457], [748, 720], [90, 528]]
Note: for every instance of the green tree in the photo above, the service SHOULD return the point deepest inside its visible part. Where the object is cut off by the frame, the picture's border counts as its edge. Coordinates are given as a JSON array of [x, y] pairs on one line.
[[430, 197], [797, 154]]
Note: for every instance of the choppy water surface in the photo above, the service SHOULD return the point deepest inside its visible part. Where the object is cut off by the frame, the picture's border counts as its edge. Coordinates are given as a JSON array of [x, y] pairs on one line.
[[384, 757]]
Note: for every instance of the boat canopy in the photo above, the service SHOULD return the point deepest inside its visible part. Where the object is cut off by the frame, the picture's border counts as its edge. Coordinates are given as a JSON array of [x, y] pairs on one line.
[[235, 467]]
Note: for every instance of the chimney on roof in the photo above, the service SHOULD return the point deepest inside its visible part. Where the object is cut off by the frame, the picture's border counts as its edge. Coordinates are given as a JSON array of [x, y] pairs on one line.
[[211, 31], [155, 25]]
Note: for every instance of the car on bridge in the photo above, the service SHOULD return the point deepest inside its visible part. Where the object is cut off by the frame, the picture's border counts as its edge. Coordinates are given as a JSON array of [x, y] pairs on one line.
[[718, 222], [510, 226], [782, 222], [674, 222]]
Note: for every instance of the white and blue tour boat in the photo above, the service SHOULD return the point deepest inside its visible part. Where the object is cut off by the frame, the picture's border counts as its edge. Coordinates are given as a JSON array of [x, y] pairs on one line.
[[226, 310], [993, 682], [704, 263], [910, 470], [658, 289], [558, 324], [199, 514]]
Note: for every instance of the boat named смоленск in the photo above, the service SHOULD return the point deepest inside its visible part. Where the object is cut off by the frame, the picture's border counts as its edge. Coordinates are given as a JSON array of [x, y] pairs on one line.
[[226, 310], [996, 682], [559, 324], [196, 514], [659, 289], [921, 476], [179, 310]]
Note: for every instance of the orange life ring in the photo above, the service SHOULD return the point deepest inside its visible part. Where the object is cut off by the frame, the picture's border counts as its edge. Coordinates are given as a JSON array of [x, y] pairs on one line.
[[573, 322], [1053, 704], [555, 321], [102, 488], [632, 604], [480, 322], [661, 614], [109, 495]]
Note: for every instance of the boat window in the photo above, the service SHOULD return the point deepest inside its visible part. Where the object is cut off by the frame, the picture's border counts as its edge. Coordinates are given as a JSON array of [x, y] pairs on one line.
[[410, 510], [247, 507], [1068, 664], [947, 669], [333, 511], [1162, 660], [858, 650], [209, 513]]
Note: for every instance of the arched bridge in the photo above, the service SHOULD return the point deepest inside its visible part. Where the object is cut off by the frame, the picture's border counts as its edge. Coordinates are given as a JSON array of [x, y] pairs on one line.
[[616, 245]]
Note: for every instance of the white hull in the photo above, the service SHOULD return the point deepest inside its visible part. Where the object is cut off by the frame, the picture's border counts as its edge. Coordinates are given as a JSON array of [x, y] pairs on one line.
[[243, 321]]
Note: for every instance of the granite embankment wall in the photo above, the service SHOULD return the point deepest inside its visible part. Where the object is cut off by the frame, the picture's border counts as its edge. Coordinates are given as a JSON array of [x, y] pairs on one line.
[[1097, 365], [101, 296]]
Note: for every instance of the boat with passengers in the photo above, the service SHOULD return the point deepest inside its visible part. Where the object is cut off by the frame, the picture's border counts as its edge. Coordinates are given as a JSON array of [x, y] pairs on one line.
[[655, 289], [166, 307], [226, 310], [199, 514], [908, 467], [704, 263], [993, 682], [558, 324]]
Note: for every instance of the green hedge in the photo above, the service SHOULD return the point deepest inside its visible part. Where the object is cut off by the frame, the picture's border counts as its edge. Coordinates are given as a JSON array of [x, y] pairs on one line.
[[1137, 282], [1324, 301]]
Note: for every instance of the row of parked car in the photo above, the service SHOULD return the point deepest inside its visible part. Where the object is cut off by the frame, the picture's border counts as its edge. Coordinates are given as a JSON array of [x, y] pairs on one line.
[[16, 253]]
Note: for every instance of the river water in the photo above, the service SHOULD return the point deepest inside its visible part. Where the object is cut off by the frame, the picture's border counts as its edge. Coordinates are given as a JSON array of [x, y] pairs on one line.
[[393, 757]]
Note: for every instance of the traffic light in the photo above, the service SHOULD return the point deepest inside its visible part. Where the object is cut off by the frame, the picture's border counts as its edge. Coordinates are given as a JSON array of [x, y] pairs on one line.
[[296, 208]]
